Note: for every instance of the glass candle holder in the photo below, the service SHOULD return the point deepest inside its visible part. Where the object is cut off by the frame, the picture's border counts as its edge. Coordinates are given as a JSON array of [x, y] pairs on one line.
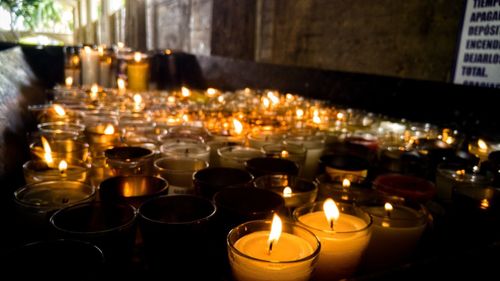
[[35, 202], [295, 153], [315, 146], [236, 156], [132, 189], [101, 136], [182, 226], [40, 171], [342, 245], [54, 128], [215, 145], [110, 226], [61, 148], [130, 160], [179, 173], [44, 113], [257, 139], [293, 258], [210, 180], [192, 151], [348, 190], [344, 166], [396, 231], [413, 188], [300, 191], [262, 166], [450, 176]]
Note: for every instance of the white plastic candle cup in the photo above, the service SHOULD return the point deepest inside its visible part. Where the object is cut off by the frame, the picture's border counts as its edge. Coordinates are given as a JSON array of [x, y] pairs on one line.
[[342, 247], [293, 258]]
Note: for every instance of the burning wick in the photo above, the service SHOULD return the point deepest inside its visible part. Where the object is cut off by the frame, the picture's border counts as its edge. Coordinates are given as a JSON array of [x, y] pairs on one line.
[[346, 183], [287, 192], [388, 209], [331, 211], [275, 233], [63, 167], [68, 81]]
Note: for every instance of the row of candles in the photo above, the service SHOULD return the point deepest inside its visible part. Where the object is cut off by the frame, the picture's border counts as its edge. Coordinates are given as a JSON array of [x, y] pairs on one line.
[[142, 144]]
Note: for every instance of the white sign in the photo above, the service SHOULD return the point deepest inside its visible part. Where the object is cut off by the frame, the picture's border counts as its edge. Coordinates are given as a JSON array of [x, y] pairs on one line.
[[478, 58]]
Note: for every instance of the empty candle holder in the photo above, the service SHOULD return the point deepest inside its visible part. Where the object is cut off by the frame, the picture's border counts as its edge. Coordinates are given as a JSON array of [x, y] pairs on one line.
[[344, 166], [210, 180], [130, 160], [410, 187], [179, 173], [262, 166], [236, 156]]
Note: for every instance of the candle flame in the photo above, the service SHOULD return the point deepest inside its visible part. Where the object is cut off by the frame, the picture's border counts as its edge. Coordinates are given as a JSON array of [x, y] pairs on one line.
[[287, 192], [316, 118], [273, 98], [121, 83], [275, 233], [168, 52], [340, 116], [346, 183], [289, 97], [171, 99], [63, 167], [94, 88], [100, 50], [87, 50], [300, 113], [211, 92], [388, 208], [331, 211], [68, 81], [265, 102], [137, 99], [120, 45], [460, 173], [47, 151], [238, 127], [284, 154], [75, 60], [220, 99], [137, 57], [485, 204], [185, 117], [59, 110], [109, 130], [185, 92], [482, 145]]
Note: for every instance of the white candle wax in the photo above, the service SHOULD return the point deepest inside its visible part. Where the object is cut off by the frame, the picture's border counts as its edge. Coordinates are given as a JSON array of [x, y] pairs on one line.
[[276, 265], [90, 65], [315, 146], [394, 236], [341, 249], [105, 72]]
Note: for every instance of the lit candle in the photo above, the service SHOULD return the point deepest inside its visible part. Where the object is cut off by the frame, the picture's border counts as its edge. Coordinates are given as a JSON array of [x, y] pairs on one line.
[[53, 169], [295, 191], [68, 82], [396, 230], [343, 235], [138, 72], [90, 69], [285, 252]]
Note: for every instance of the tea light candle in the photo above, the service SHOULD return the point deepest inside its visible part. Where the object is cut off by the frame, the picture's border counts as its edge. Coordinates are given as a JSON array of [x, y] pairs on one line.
[[101, 136], [235, 156], [315, 145], [344, 235], [295, 191], [90, 69], [396, 230], [138, 72], [344, 166], [257, 254], [41, 171]]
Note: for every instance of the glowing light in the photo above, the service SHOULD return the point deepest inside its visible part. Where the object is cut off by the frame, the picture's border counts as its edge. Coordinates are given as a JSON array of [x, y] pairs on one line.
[[331, 211], [137, 57], [238, 127], [485, 204], [388, 208], [287, 192], [59, 110], [109, 130], [185, 92], [346, 183], [63, 167], [121, 84], [47, 151], [211, 92], [168, 52], [482, 145], [68, 81], [300, 113], [284, 154], [275, 233]]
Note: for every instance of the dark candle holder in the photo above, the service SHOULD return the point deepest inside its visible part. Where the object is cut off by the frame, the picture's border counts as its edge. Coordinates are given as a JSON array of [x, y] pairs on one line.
[[210, 180]]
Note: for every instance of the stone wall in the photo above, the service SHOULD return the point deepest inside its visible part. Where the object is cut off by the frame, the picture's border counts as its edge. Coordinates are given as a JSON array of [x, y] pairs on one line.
[[411, 39]]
